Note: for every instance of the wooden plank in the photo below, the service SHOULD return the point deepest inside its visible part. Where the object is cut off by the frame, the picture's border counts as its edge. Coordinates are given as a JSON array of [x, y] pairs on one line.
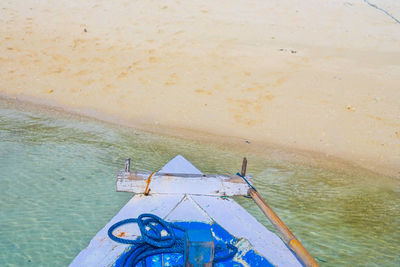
[[192, 184]]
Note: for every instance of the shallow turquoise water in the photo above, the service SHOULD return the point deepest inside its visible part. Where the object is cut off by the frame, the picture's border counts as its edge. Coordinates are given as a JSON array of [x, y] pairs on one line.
[[57, 181]]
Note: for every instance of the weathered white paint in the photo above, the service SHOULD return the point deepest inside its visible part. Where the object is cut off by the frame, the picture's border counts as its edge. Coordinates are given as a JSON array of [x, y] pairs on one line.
[[188, 208], [102, 251], [180, 165], [237, 221], [209, 185]]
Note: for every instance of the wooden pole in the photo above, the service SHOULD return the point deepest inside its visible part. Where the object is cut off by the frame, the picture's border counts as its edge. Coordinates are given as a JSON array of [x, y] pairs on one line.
[[289, 238], [128, 165], [244, 167]]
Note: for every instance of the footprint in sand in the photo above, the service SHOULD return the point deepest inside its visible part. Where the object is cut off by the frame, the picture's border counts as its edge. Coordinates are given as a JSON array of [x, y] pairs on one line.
[[54, 70], [82, 73], [60, 58], [247, 110], [203, 92], [172, 80], [122, 74], [153, 59], [78, 43], [98, 60]]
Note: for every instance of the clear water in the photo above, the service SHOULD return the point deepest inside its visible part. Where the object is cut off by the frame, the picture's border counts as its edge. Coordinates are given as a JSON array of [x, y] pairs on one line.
[[57, 182]]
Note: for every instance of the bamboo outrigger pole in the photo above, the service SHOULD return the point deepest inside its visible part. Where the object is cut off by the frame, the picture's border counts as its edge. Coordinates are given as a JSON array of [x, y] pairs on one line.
[[289, 238]]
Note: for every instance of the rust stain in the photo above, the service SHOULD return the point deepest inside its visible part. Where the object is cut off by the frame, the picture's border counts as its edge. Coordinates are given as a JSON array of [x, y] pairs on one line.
[[122, 234], [135, 177], [236, 179]]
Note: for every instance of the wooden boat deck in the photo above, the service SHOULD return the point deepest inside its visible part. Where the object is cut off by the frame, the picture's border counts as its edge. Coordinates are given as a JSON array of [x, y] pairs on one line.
[[102, 251]]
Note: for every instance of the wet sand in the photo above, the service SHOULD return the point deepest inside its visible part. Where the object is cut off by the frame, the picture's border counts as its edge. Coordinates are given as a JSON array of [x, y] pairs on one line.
[[317, 76]]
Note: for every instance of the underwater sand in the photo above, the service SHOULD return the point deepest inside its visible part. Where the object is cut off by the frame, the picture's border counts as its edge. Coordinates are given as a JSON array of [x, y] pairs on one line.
[[57, 177]]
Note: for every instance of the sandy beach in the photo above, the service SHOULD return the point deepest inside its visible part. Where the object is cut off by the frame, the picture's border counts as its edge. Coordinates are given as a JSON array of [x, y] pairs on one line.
[[317, 76]]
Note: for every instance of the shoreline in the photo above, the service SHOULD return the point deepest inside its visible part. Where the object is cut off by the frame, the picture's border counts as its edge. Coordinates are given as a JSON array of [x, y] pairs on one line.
[[218, 71], [261, 149]]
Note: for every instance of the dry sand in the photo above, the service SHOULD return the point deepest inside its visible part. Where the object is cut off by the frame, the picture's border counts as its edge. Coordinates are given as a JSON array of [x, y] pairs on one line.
[[321, 76]]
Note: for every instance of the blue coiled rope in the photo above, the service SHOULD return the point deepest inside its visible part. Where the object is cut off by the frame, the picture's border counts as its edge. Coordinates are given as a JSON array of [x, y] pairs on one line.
[[152, 242]]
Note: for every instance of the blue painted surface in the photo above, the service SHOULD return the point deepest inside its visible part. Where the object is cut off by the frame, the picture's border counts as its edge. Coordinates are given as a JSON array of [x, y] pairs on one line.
[[220, 236], [199, 246]]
